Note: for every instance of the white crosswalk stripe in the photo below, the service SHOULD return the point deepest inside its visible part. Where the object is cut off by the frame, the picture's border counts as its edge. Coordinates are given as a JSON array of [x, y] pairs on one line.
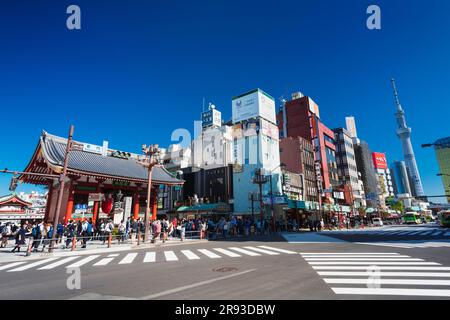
[[32, 265], [128, 258], [409, 245], [148, 257], [227, 252], [247, 252], [190, 255], [82, 262], [271, 253], [103, 262], [209, 254], [372, 275], [11, 265], [170, 256], [57, 263], [278, 250]]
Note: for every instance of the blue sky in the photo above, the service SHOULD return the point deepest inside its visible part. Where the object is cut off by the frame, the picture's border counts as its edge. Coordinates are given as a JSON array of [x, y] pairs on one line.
[[139, 69]]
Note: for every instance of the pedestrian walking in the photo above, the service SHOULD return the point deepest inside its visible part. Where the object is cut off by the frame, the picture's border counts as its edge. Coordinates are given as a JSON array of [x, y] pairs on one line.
[[6, 233], [20, 238], [122, 231]]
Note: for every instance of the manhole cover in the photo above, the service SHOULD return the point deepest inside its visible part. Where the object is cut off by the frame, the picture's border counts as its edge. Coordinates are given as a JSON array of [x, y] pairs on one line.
[[225, 269]]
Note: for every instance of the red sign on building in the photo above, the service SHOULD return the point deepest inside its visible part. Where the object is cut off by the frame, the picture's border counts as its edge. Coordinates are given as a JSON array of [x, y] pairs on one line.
[[379, 160]]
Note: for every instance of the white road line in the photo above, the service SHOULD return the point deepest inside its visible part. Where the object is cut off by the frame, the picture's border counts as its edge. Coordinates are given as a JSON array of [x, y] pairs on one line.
[[439, 282], [387, 274], [103, 262], [170, 256], [347, 253], [209, 254], [227, 252], [194, 285], [113, 255], [380, 268], [32, 265], [426, 233], [354, 256], [58, 263], [150, 257], [6, 266], [392, 291], [82, 262], [278, 250], [249, 253], [415, 232], [270, 253], [363, 259], [190, 255], [129, 258], [436, 233], [375, 263]]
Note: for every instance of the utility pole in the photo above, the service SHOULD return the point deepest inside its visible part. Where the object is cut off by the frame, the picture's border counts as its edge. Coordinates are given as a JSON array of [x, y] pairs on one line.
[[260, 179], [150, 152], [62, 182]]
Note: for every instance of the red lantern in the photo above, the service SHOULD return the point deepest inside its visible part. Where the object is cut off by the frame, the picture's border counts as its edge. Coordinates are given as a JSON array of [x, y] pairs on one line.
[[107, 205]]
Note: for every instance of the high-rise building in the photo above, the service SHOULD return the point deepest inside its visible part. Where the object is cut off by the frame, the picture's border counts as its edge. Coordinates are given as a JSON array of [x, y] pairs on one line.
[[384, 175], [442, 149], [400, 179], [297, 154], [300, 117], [364, 163], [404, 134], [346, 162], [255, 146]]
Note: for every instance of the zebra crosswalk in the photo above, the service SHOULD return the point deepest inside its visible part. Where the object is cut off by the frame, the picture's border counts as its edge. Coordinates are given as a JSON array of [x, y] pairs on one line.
[[395, 231], [96, 260], [382, 274], [410, 244]]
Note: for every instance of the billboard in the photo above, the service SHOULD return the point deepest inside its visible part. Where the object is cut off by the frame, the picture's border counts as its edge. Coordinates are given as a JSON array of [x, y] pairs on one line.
[[379, 160], [270, 130], [253, 104], [212, 117]]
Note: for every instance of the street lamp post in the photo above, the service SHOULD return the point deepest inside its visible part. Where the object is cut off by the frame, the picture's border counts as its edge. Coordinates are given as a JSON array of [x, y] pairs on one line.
[[282, 165], [150, 152]]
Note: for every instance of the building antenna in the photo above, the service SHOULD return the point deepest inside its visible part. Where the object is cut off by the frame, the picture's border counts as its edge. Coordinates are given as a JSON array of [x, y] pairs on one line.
[[203, 104], [397, 101]]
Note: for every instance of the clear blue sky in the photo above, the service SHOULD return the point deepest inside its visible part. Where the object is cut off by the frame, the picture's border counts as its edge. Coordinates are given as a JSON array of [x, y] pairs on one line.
[[139, 69]]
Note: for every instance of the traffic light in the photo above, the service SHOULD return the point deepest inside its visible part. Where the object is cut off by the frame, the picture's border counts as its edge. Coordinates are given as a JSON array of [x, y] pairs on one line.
[[13, 184]]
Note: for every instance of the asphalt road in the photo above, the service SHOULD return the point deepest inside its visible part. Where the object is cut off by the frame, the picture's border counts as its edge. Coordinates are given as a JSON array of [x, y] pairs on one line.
[[269, 269]]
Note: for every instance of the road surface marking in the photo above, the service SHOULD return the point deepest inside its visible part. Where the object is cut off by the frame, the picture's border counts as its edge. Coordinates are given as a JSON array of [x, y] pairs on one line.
[[354, 256], [103, 262], [227, 252], [389, 281], [278, 250], [190, 255], [392, 291], [247, 252], [375, 263], [438, 232], [150, 257], [362, 259], [113, 255], [386, 274], [31, 265], [83, 261], [347, 253], [270, 253], [6, 266], [380, 268], [209, 254], [170, 256], [195, 285], [58, 263], [128, 258]]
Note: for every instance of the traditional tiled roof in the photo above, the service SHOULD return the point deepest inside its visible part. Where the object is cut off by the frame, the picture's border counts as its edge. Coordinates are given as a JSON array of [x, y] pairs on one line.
[[96, 165], [13, 199]]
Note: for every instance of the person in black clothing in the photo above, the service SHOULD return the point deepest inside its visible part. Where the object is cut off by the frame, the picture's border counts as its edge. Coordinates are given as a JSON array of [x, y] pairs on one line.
[[20, 238]]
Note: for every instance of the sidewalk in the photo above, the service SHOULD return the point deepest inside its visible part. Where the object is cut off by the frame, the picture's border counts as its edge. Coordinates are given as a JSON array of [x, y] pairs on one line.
[[93, 247]]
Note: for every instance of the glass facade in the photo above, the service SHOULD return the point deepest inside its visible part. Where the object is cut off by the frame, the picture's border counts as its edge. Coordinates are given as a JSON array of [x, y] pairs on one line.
[[442, 148]]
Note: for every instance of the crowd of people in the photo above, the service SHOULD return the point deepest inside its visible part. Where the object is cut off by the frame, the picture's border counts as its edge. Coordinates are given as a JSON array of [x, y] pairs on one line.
[[84, 230]]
